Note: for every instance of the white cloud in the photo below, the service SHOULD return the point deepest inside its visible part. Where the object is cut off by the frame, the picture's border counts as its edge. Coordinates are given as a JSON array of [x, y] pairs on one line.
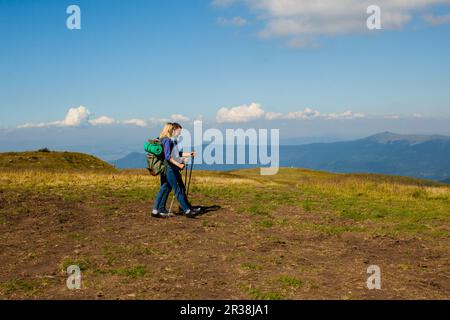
[[34, 125], [273, 115], [158, 121], [359, 115], [79, 117], [136, 122], [436, 20], [243, 113], [233, 22], [304, 115], [345, 115], [178, 118], [296, 20], [76, 117], [254, 111], [103, 120], [107, 121]]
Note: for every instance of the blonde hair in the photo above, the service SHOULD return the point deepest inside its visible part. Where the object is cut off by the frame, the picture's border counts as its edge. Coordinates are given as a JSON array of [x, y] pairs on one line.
[[167, 131]]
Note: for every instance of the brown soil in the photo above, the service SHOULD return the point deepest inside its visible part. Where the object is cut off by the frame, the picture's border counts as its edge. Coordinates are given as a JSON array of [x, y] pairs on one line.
[[220, 255]]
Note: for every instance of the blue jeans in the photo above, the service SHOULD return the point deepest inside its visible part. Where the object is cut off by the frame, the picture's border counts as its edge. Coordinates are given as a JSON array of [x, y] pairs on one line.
[[163, 194], [171, 180]]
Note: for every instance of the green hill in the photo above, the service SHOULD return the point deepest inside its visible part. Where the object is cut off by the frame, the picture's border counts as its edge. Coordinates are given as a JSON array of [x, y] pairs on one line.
[[52, 160]]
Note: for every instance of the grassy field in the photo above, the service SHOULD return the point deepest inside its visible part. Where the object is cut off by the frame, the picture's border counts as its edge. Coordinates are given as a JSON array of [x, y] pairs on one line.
[[53, 161], [298, 235]]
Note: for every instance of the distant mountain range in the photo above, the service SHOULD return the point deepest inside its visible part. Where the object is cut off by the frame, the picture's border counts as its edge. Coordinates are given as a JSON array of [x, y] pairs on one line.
[[421, 156]]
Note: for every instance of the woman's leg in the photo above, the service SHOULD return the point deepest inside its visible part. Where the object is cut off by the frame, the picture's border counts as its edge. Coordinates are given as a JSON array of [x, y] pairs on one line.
[[162, 205], [178, 190], [182, 185], [163, 193]]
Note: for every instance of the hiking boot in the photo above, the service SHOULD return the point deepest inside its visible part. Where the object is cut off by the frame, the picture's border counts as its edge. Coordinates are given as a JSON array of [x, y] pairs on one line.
[[190, 213], [164, 214], [160, 214], [196, 210]]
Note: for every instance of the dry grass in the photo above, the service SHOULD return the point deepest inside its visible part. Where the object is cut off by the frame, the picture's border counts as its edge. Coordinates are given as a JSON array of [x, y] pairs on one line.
[[282, 236]]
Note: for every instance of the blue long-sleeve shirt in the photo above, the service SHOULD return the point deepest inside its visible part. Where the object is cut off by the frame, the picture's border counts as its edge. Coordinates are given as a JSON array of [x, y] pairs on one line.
[[168, 146]]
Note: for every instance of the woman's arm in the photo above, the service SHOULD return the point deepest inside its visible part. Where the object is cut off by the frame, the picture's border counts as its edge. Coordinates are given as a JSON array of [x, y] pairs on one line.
[[168, 153]]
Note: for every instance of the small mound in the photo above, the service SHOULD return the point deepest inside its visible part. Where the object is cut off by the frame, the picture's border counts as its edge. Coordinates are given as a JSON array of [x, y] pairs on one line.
[[52, 160]]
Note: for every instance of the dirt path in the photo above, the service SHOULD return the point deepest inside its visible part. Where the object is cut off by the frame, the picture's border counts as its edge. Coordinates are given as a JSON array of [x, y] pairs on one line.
[[126, 254]]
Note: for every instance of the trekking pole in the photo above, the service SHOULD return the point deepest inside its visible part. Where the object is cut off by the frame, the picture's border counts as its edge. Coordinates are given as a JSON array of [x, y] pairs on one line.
[[185, 176], [171, 203], [190, 177]]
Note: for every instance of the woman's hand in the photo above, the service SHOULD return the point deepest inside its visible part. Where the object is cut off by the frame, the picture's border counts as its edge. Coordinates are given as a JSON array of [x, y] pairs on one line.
[[177, 164], [190, 154]]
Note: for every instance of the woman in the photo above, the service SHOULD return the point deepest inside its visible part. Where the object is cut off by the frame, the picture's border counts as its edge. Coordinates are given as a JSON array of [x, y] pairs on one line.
[[175, 162]]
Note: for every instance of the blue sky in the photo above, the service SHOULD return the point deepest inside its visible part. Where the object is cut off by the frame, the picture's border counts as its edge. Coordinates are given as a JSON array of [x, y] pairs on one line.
[[142, 60]]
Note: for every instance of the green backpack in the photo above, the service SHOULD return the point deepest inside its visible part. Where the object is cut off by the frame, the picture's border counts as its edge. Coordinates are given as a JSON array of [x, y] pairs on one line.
[[155, 157]]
